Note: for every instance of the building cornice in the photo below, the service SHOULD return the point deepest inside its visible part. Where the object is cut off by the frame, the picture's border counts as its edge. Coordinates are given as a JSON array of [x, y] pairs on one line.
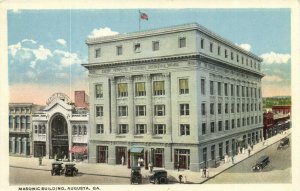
[[168, 30], [179, 57]]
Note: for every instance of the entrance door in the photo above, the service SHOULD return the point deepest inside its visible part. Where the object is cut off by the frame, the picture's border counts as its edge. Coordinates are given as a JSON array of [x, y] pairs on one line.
[[158, 157], [59, 137], [102, 154], [182, 161], [121, 152]]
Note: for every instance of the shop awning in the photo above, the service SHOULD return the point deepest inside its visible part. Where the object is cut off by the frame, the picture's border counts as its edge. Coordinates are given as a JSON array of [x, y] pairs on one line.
[[137, 150], [79, 149]]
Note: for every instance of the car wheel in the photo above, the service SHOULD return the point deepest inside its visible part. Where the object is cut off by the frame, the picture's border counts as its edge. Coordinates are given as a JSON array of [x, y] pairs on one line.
[[74, 173]]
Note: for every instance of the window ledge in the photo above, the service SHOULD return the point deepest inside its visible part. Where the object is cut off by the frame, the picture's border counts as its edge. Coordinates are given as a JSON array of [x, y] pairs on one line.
[[157, 136], [120, 136], [138, 136]]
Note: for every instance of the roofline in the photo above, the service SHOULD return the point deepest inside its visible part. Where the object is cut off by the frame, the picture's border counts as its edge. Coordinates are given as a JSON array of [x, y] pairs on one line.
[[166, 30]]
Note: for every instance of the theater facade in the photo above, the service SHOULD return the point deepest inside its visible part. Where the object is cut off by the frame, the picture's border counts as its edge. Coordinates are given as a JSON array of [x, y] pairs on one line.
[[60, 129]]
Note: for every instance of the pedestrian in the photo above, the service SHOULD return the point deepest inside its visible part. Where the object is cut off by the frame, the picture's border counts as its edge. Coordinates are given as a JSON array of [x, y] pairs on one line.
[[252, 147], [150, 167], [178, 167], [232, 159], [249, 151], [204, 172], [184, 179], [122, 160], [180, 178]]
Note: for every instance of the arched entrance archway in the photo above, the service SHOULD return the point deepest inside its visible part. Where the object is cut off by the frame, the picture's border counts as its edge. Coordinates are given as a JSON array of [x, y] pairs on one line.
[[59, 137]]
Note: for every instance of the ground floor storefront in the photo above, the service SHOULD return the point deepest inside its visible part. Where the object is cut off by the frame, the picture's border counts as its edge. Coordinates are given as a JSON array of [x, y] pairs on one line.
[[20, 144], [274, 130], [173, 155]]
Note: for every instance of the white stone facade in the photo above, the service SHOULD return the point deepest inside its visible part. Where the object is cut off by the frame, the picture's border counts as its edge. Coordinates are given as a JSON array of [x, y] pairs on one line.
[[161, 95]]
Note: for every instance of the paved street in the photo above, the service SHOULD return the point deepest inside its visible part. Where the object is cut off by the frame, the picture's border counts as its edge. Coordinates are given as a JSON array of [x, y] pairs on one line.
[[278, 171], [21, 176]]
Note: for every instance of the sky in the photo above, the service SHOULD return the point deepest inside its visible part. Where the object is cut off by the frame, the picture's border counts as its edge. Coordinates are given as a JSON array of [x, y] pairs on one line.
[[47, 47]]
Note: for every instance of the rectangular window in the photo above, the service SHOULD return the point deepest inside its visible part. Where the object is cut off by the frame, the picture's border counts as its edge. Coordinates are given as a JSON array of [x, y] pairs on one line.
[[248, 121], [137, 47], [251, 106], [202, 43], [98, 91], [225, 53], [232, 124], [247, 92], [202, 86], [183, 86], [97, 53], [119, 50], [243, 91], [203, 128], [238, 108], [226, 125], [212, 109], [211, 47], [243, 107], [244, 122], [219, 50], [159, 110], [140, 110], [123, 129], [212, 127], [140, 129], [227, 147], [203, 110], [99, 111], [211, 88], [182, 42], [159, 88], [123, 111], [232, 108], [226, 89], [242, 60], [212, 152], [247, 107], [237, 58], [140, 89], [219, 89], [99, 128], [238, 123], [232, 90], [155, 46], [184, 129], [232, 56], [159, 129], [219, 108], [221, 150], [220, 126], [226, 107], [184, 109], [238, 91], [204, 151], [122, 90]]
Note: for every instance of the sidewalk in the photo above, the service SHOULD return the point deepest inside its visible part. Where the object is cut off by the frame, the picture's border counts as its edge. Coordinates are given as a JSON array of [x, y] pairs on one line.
[[124, 172]]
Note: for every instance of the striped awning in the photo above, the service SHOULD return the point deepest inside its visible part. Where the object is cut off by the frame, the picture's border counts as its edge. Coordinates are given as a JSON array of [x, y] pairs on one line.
[[137, 150], [79, 149]]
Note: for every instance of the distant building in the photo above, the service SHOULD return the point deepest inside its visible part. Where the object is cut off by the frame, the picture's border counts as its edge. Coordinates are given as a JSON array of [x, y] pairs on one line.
[[178, 97], [283, 109], [20, 128], [61, 129], [268, 124], [81, 99]]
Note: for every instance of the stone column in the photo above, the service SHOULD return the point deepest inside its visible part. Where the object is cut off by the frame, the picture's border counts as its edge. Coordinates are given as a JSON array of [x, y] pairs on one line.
[[19, 143], [25, 145], [13, 122], [13, 145], [113, 108], [131, 113], [149, 105], [168, 103], [48, 140]]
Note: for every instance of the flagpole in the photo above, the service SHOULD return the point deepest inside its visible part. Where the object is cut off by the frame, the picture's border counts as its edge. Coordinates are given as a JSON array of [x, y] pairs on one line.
[[139, 20]]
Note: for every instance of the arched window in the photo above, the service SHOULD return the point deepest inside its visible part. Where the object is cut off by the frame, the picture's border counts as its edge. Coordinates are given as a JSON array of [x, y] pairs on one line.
[[74, 130], [40, 129], [84, 130], [23, 122], [27, 122], [17, 121], [79, 130], [10, 121]]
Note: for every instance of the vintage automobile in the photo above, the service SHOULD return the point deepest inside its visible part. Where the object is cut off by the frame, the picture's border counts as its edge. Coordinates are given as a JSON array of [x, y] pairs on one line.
[[57, 168], [159, 177], [70, 169], [136, 176], [285, 142], [261, 163]]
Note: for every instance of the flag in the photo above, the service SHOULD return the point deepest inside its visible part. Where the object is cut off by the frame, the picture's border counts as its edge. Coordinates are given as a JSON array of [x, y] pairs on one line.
[[143, 16]]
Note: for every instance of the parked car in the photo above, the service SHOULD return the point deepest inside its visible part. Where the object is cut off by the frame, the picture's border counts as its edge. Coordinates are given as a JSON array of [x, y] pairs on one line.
[[159, 177], [136, 176], [70, 169], [261, 163], [57, 168], [285, 142]]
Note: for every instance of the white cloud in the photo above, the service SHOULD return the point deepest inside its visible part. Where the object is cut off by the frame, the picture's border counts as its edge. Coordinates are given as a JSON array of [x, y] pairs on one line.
[[14, 48], [29, 40], [272, 79], [102, 32], [246, 47], [61, 41], [16, 11], [275, 58], [68, 58]]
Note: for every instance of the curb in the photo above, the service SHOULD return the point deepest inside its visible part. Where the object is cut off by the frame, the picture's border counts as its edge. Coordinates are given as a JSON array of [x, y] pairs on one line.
[[241, 161]]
